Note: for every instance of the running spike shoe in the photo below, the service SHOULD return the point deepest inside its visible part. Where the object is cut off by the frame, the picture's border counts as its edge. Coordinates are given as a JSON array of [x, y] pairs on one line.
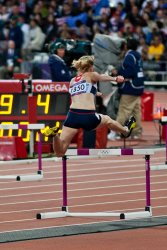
[[130, 124], [51, 132]]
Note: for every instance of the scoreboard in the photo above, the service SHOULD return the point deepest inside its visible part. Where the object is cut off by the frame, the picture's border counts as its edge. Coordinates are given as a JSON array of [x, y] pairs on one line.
[[52, 104]]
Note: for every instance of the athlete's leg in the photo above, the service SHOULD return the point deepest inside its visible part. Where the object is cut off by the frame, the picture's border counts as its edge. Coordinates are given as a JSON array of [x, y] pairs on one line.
[[112, 124], [61, 143], [116, 126]]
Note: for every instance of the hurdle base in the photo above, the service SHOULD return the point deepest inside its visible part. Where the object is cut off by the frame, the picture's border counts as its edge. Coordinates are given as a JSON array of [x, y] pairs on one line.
[[62, 214], [8, 177], [64, 208], [135, 215], [52, 215], [40, 172], [32, 177], [149, 209], [159, 167]]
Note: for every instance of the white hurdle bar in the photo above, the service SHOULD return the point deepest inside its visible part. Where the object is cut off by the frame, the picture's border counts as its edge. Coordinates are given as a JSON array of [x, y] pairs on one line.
[[163, 121], [31, 127], [102, 152]]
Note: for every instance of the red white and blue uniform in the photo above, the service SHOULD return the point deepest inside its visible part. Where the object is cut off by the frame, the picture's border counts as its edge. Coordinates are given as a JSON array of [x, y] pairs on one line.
[[82, 118]]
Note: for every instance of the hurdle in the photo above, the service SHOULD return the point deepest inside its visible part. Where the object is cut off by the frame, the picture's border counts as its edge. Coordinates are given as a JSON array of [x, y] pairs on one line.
[[147, 212], [31, 127], [163, 121]]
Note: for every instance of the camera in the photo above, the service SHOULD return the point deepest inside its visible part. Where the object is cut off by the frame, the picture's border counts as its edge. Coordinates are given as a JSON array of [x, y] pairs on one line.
[[74, 48]]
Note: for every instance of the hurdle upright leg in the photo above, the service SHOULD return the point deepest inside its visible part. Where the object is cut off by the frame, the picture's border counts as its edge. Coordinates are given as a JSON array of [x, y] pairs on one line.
[[166, 143], [64, 211], [148, 193], [39, 154], [39, 175], [30, 177], [64, 170], [148, 211]]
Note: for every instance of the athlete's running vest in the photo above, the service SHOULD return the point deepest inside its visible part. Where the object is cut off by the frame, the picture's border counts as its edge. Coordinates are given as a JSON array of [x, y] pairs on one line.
[[80, 86]]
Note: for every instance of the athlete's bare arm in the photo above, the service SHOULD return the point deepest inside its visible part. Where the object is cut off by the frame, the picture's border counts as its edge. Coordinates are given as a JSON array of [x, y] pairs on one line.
[[95, 77]]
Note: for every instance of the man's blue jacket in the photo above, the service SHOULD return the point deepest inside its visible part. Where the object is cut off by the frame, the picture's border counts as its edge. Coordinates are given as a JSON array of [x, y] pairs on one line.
[[132, 71], [58, 68]]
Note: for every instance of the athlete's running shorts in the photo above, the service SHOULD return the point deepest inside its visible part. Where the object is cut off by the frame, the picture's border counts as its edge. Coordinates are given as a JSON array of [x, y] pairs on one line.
[[81, 118]]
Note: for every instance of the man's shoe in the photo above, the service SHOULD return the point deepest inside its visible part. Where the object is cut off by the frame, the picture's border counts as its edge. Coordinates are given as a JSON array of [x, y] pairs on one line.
[[130, 124], [51, 132], [111, 136]]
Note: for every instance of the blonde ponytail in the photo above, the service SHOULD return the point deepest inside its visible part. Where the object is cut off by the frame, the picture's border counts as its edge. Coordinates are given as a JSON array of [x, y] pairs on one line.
[[83, 63]]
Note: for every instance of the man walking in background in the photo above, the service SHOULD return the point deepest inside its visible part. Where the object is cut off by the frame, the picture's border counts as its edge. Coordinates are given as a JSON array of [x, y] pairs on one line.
[[131, 90]]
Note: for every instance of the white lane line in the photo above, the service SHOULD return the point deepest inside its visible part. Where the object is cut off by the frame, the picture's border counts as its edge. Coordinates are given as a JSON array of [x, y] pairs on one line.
[[88, 175], [14, 221], [113, 202], [94, 204], [76, 190], [106, 173], [79, 169], [81, 189], [79, 197], [55, 209], [97, 174], [100, 174], [83, 163], [91, 181], [132, 166], [88, 169]]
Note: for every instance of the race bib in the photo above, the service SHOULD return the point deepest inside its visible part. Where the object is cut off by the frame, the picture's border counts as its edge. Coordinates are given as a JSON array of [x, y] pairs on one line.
[[78, 88]]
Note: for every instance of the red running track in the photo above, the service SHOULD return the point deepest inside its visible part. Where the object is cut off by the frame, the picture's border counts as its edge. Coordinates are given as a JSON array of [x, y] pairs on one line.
[[114, 184]]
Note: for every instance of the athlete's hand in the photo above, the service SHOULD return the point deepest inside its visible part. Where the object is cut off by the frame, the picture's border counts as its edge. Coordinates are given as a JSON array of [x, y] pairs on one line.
[[120, 79]]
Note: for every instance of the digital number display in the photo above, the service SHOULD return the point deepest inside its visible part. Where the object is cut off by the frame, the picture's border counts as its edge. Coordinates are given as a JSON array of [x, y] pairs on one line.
[[25, 134], [43, 103], [6, 104], [47, 104], [52, 105]]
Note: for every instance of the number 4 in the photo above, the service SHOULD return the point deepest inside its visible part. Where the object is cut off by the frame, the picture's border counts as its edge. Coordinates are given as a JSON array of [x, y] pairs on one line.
[[45, 103]]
